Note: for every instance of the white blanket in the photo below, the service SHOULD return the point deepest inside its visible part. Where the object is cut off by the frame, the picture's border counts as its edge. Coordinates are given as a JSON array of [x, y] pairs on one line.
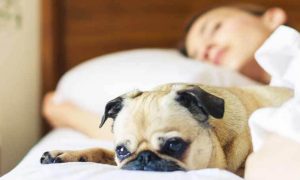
[[280, 57], [30, 167]]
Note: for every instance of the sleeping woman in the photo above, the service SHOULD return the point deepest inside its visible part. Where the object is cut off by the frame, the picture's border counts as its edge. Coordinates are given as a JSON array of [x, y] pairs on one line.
[[226, 36]]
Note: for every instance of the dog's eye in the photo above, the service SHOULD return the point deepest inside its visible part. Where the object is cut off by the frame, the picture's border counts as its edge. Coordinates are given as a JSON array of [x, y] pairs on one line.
[[174, 147], [122, 152]]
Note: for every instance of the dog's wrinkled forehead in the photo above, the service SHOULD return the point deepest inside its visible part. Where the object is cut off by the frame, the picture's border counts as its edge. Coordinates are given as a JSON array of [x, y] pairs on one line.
[[197, 101], [113, 107]]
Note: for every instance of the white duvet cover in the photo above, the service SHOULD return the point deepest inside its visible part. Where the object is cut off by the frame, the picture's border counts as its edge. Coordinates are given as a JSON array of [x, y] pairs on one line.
[[66, 139]]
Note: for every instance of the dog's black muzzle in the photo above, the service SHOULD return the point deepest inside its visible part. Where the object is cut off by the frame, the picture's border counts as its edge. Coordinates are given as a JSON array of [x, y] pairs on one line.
[[148, 161]]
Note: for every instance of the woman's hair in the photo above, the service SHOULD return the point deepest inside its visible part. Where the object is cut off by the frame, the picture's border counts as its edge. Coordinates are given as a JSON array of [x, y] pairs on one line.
[[255, 10]]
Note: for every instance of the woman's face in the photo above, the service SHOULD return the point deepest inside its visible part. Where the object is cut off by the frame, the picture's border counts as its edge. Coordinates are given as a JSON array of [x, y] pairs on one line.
[[226, 36]]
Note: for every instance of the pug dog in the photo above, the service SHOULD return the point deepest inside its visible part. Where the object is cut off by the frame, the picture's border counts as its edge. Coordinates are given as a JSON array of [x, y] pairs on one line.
[[179, 127]]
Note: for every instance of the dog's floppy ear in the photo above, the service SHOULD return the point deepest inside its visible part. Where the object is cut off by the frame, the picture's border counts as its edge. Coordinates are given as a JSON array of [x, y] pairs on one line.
[[201, 103], [112, 109]]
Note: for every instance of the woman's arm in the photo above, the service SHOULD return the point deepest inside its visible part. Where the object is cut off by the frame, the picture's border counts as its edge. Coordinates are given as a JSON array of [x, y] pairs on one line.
[[69, 115]]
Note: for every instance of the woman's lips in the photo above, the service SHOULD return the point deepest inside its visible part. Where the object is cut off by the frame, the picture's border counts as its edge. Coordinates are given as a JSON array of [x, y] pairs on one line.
[[217, 57]]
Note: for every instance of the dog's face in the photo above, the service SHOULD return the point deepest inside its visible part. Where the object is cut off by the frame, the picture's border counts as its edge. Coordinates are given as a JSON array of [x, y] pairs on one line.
[[164, 130]]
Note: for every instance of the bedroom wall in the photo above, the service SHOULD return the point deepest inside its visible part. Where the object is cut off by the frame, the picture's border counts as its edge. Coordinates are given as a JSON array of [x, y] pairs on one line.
[[19, 79]]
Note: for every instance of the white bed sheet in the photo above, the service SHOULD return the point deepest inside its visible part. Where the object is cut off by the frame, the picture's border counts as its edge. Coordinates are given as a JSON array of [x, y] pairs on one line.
[[30, 167]]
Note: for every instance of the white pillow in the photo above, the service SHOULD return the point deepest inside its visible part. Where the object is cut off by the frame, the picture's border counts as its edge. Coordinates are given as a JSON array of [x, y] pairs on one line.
[[92, 84]]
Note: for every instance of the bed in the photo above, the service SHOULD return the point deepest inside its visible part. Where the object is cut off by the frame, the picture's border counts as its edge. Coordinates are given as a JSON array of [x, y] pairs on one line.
[[74, 32]]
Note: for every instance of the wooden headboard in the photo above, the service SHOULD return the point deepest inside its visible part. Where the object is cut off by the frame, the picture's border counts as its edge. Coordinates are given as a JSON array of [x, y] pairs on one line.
[[76, 30]]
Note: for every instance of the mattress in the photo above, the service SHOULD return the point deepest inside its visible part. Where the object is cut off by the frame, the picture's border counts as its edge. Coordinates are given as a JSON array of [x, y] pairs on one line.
[[67, 139]]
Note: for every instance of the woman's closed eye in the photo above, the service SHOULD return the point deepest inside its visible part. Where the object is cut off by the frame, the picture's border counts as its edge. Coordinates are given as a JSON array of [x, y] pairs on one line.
[[216, 27], [212, 28]]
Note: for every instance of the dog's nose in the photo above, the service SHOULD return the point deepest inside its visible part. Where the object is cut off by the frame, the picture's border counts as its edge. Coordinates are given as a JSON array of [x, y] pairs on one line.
[[147, 156]]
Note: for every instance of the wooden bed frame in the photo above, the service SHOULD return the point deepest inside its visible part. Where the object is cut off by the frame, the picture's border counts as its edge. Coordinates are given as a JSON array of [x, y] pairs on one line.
[[75, 30]]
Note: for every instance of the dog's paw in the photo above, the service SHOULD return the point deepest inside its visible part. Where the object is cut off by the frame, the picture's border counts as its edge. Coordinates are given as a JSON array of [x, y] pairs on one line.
[[51, 157]]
